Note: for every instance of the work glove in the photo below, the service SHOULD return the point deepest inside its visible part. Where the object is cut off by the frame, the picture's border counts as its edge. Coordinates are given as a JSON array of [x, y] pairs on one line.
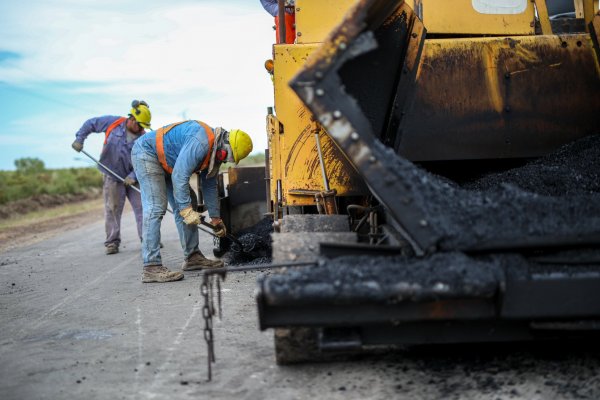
[[77, 146], [219, 227], [190, 217], [128, 181]]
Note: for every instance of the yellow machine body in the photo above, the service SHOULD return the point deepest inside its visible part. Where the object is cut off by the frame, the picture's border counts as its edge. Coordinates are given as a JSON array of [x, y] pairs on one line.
[[505, 97], [315, 19], [459, 76], [293, 157]]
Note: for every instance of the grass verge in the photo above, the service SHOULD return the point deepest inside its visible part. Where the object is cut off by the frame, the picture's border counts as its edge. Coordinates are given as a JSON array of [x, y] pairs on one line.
[[56, 212]]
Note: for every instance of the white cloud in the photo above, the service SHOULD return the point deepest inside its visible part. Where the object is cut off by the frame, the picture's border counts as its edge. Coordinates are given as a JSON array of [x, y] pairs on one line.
[[203, 59]]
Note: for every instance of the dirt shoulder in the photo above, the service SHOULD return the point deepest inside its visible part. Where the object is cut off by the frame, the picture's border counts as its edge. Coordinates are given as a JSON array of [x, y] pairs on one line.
[[28, 228]]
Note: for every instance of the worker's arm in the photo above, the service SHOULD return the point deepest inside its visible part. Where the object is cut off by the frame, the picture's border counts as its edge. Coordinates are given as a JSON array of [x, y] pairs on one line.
[[94, 125], [210, 193], [270, 6], [132, 176], [129, 180], [190, 157]]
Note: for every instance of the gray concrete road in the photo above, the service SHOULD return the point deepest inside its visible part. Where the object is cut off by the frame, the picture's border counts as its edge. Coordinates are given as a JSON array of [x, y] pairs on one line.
[[77, 324]]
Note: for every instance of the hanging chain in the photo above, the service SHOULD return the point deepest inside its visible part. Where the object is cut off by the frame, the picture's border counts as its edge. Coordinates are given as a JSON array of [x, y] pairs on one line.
[[208, 328], [207, 288], [219, 298], [211, 294]]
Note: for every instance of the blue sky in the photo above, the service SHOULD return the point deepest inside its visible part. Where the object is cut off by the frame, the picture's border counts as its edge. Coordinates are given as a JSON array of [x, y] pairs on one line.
[[64, 61]]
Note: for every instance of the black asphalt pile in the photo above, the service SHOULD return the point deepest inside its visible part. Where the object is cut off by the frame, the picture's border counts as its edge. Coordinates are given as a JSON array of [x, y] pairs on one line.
[[572, 170], [256, 244], [387, 280], [554, 196], [506, 210]]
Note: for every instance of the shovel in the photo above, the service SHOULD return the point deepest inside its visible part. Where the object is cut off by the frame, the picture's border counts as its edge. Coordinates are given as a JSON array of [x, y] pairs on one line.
[[238, 246]]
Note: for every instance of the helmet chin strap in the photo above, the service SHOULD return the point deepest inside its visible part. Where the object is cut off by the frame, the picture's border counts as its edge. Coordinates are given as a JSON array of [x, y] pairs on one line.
[[230, 158]]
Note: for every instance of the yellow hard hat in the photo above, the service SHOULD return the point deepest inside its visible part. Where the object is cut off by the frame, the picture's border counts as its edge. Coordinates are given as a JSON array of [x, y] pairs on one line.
[[140, 110], [240, 143]]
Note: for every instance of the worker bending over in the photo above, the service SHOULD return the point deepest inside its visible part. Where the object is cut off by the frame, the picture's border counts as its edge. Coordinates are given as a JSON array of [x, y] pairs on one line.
[[120, 134], [164, 161]]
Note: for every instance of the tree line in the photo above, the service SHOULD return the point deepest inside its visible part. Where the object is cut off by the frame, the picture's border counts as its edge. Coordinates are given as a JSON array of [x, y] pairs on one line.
[[32, 178]]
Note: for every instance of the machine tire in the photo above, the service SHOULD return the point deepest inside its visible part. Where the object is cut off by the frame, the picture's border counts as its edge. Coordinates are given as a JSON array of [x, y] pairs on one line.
[[296, 345], [300, 344]]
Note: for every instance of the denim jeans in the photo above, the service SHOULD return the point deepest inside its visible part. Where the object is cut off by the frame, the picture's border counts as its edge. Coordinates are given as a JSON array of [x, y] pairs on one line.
[[157, 189]]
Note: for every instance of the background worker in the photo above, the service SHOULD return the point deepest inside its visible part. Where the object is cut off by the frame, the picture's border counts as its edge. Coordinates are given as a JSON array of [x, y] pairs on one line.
[[272, 7], [120, 134], [164, 161]]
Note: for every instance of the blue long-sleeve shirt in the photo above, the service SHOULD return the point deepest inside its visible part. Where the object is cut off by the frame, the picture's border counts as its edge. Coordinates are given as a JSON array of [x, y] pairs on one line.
[[116, 153], [185, 147]]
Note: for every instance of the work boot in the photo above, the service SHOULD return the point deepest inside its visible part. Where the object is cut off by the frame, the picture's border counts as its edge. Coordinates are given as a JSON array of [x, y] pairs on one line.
[[158, 273], [112, 248], [198, 261]]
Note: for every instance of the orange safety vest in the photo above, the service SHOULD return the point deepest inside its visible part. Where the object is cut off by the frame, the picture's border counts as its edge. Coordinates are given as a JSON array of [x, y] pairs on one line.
[[113, 126], [160, 147]]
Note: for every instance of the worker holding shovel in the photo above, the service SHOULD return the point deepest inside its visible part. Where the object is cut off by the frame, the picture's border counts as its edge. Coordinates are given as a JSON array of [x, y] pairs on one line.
[[164, 161], [115, 162]]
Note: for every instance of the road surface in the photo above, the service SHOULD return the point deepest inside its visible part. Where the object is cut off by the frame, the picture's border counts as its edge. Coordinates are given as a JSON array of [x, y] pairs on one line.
[[77, 324]]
